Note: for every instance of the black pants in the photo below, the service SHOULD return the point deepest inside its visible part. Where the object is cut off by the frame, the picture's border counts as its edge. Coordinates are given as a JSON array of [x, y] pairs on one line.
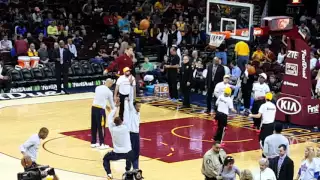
[[172, 83], [113, 156], [186, 95], [62, 69], [222, 123], [209, 96], [198, 84], [255, 110], [98, 121], [135, 144], [122, 98], [266, 130], [246, 96], [5, 84], [207, 178]]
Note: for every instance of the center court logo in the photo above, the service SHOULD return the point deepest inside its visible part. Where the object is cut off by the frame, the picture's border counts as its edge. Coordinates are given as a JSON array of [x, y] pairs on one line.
[[286, 83]]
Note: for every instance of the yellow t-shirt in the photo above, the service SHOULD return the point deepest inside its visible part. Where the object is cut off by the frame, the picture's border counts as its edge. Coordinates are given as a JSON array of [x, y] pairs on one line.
[[242, 49], [257, 55], [33, 53], [181, 27], [158, 6], [52, 30]]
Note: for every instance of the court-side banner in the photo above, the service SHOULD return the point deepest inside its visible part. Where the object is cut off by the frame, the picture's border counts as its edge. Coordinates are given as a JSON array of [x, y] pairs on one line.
[[71, 85], [296, 80]]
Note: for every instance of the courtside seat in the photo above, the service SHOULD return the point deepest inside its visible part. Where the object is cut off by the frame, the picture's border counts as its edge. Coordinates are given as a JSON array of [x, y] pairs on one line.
[[50, 76], [79, 74], [16, 78], [39, 76], [88, 71], [28, 77], [7, 69], [98, 71]]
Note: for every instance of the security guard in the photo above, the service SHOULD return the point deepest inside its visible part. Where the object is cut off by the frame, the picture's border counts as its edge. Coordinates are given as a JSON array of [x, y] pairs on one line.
[[213, 162], [172, 72], [185, 82], [224, 103], [267, 112]]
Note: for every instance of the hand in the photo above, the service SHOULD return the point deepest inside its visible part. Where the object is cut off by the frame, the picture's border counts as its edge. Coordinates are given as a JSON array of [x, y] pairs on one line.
[[234, 111], [117, 101], [165, 66], [108, 108], [250, 115], [219, 177], [105, 72], [188, 83]]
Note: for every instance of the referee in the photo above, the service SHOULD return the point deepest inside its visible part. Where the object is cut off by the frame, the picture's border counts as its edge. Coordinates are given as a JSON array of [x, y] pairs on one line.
[[132, 117], [98, 113], [224, 103], [121, 142], [267, 112]]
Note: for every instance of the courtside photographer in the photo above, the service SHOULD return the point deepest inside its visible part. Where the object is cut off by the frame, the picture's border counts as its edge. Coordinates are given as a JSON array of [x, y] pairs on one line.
[[133, 175], [37, 172]]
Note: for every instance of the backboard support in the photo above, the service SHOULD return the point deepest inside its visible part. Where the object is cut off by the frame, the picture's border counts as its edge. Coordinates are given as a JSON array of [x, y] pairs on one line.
[[230, 16]]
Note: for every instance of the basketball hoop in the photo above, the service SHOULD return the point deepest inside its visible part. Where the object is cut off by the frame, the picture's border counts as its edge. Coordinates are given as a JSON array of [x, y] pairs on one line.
[[216, 38]]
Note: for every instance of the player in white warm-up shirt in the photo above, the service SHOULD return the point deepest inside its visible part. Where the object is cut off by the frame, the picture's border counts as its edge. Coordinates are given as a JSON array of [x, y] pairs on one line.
[[120, 134], [98, 114], [221, 86], [260, 89], [125, 85], [267, 112], [224, 104]]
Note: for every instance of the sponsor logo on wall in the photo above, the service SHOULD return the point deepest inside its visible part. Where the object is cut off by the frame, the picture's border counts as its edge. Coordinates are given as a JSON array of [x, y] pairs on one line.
[[292, 69], [292, 54], [8, 96], [286, 83], [288, 105], [304, 64], [54, 86], [313, 109]]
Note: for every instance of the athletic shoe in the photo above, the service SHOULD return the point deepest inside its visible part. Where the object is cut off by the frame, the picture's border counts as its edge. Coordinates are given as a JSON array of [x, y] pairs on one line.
[[95, 145], [109, 176], [104, 146]]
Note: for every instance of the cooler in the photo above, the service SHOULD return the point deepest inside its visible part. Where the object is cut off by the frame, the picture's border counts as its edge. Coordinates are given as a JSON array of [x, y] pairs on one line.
[[161, 89], [34, 61], [24, 61]]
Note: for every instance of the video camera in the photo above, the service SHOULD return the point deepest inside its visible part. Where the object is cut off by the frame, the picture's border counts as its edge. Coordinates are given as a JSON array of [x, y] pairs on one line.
[[37, 173], [133, 175]]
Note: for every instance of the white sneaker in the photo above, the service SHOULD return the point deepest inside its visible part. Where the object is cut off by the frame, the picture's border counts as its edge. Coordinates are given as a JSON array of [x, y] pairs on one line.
[[109, 176], [104, 146], [95, 145]]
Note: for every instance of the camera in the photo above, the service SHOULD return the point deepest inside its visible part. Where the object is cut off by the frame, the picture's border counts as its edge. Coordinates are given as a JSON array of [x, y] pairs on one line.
[[37, 173], [133, 175]]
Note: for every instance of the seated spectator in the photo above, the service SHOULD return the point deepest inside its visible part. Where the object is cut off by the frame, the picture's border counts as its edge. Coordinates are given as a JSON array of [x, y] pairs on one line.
[[43, 54], [4, 81], [36, 16], [38, 41], [318, 85], [281, 56], [41, 30], [77, 39], [72, 48], [93, 50], [32, 52], [269, 55], [114, 53], [5, 44], [258, 55], [21, 46], [20, 29], [198, 79], [146, 66], [48, 20], [52, 30], [235, 70], [29, 38], [124, 24], [313, 61], [274, 85]]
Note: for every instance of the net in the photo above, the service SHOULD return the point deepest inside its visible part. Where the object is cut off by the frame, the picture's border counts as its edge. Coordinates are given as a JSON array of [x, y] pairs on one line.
[[216, 39]]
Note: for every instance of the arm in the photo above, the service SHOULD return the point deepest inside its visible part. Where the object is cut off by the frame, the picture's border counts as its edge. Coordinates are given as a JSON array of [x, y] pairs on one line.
[[75, 51], [111, 118], [25, 146], [111, 101], [179, 38], [126, 112], [190, 75], [112, 65], [217, 101], [216, 91], [116, 92], [266, 147], [158, 37]]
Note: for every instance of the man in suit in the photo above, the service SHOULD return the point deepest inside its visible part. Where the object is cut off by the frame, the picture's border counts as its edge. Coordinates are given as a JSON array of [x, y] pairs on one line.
[[62, 57], [214, 74], [282, 165]]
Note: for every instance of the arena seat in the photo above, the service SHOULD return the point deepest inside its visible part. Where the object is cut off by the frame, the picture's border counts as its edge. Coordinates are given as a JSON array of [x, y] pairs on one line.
[[7, 69], [39, 76], [28, 77], [88, 71], [98, 71], [16, 78], [50, 76], [79, 74]]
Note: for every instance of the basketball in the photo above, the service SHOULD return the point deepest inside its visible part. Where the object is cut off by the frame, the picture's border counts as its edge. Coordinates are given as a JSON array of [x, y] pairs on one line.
[[251, 70], [144, 24], [26, 162]]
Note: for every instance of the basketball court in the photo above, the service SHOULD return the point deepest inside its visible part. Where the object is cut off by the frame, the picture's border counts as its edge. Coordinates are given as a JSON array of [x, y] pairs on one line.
[[172, 141]]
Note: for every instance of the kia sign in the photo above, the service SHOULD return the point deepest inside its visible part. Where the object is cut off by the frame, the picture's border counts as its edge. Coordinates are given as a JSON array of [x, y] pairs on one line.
[[288, 105]]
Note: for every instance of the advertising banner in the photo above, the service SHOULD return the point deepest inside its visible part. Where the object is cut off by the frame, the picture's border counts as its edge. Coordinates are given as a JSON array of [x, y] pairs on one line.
[[296, 80]]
